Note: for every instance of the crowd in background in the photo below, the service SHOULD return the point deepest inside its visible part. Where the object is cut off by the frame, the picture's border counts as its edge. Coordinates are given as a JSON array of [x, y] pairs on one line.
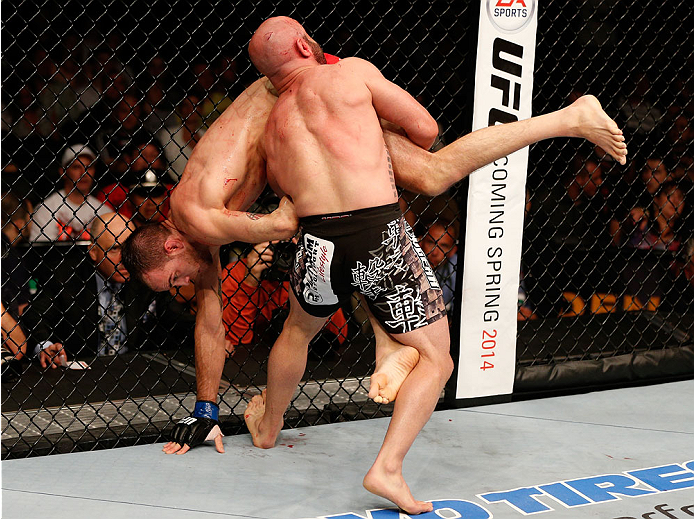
[[91, 148]]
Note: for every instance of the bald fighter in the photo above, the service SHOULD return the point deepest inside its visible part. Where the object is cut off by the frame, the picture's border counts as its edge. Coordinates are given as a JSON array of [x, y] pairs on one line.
[[324, 144], [227, 171]]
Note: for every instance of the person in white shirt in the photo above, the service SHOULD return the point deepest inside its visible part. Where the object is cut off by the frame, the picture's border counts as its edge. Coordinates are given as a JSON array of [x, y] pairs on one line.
[[66, 214]]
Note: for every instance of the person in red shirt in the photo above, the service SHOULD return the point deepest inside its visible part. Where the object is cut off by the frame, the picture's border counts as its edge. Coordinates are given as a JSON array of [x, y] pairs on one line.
[[250, 297]]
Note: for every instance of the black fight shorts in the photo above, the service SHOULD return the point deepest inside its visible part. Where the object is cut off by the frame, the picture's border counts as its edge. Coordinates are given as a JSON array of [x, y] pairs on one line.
[[372, 251]]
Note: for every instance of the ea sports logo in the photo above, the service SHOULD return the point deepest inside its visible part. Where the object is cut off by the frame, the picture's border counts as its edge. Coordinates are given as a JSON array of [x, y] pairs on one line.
[[510, 15]]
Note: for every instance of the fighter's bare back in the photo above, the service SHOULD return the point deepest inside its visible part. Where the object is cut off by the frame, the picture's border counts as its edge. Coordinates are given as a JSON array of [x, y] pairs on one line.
[[343, 169]]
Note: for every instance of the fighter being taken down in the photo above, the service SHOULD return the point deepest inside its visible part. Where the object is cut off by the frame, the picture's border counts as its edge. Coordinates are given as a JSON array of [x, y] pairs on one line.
[[226, 173]]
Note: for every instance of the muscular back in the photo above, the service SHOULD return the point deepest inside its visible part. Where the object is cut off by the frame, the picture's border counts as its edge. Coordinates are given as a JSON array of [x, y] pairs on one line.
[[226, 171], [324, 141]]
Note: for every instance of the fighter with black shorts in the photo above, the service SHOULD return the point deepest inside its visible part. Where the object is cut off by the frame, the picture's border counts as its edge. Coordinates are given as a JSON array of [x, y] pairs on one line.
[[374, 252]]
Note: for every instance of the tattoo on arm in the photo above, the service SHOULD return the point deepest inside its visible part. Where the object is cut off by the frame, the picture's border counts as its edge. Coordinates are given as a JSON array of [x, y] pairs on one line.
[[254, 216], [392, 175]]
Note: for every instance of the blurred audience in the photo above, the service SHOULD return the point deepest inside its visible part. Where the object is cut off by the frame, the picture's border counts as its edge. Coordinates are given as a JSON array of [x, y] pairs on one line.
[[90, 307], [181, 136], [639, 114], [440, 244], [160, 93], [67, 213], [145, 162], [569, 230], [115, 134], [657, 226], [214, 83], [630, 198]]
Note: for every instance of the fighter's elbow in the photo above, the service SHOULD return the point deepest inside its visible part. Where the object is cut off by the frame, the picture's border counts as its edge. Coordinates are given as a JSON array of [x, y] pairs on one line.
[[425, 134], [431, 132]]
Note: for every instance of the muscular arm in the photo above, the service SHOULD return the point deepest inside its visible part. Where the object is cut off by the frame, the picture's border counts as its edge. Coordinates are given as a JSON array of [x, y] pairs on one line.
[[394, 104], [219, 227], [209, 332]]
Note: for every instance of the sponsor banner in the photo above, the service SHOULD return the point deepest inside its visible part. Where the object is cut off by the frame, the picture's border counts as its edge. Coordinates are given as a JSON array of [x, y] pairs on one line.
[[559, 496], [319, 258], [496, 203]]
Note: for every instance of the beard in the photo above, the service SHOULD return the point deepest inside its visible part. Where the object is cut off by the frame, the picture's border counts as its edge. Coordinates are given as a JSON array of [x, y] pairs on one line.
[[317, 52]]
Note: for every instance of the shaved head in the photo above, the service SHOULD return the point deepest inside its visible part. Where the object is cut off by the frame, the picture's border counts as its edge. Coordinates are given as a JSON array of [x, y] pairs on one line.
[[275, 43], [108, 233], [110, 228]]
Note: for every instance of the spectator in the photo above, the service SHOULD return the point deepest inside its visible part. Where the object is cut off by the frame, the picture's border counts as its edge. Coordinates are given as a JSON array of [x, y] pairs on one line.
[[440, 244], [16, 225], [180, 138], [658, 228], [630, 200], [568, 230], [252, 292], [149, 198], [648, 275], [90, 308], [141, 155], [116, 133], [67, 213]]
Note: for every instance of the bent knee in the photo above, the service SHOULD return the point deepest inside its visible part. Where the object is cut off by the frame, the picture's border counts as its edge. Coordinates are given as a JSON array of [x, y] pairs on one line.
[[447, 367]]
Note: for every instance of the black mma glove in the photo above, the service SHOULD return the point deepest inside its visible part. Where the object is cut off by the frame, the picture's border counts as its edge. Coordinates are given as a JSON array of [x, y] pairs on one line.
[[193, 430]]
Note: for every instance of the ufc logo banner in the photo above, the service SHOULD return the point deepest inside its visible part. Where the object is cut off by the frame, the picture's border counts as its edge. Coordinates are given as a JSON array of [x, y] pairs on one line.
[[496, 202]]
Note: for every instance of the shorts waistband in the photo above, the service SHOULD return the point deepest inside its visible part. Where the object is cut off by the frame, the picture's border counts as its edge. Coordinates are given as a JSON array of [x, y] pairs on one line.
[[335, 224]]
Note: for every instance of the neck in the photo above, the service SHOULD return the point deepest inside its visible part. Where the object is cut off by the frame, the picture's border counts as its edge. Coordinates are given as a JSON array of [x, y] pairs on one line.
[[284, 80]]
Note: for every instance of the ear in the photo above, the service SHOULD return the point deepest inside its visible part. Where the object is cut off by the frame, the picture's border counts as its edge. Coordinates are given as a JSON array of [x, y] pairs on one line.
[[92, 251], [173, 246], [303, 48]]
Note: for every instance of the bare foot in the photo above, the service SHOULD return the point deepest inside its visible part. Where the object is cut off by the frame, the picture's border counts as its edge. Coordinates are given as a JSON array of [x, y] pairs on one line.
[[255, 410], [391, 372], [590, 122], [394, 488]]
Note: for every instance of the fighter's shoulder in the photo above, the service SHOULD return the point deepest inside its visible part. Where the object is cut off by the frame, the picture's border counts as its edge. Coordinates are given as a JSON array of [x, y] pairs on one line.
[[354, 62], [358, 68]]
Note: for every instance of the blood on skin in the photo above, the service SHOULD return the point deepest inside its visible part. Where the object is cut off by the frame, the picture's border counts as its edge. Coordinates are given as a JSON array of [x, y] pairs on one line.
[[227, 180]]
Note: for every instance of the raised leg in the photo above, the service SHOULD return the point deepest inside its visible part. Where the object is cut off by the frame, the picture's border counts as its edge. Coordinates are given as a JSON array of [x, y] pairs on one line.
[[431, 174], [416, 400], [286, 364]]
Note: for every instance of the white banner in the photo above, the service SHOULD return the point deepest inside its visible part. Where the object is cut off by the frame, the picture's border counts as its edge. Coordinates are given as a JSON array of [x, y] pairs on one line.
[[496, 203]]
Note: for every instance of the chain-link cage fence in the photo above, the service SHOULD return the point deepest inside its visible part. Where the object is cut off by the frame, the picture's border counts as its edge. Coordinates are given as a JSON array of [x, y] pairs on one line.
[[103, 103]]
